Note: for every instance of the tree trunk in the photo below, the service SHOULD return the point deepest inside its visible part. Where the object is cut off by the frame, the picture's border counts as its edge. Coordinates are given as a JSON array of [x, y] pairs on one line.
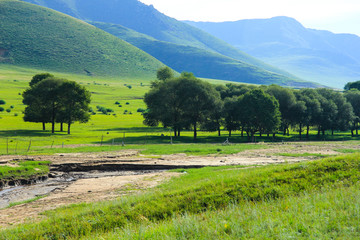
[[61, 127], [307, 131], [252, 137], [323, 132], [300, 131], [284, 131], [352, 132], [229, 132], [242, 132], [260, 134], [179, 130], [43, 126], [357, 133], [195, 132], [53, 126], [175, 132], [69, 125], [53, 119], [332, 132], [219, 132]]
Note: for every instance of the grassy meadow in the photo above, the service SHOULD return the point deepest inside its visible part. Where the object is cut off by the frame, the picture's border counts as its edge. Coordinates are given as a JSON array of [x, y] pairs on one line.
[[316, 199], [309, 200], [124, 124]]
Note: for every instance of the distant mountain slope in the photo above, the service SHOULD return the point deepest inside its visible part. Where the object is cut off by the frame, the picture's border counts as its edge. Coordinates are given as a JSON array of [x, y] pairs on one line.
[[201, 62], [321, 56], [147, 20], [38, 37]]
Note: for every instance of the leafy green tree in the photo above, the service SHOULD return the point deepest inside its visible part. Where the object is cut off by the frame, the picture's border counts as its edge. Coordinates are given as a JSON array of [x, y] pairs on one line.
[[214, 121], [286, 99], [298, 115], [352, 85], [353, 97], [39, 77], [180, 102], [75, 101], [199, 99], [260, 112], [338, 113], [312, 108], [164, 73], [164, 106], [56, 100], [233, 90], [231, 114]]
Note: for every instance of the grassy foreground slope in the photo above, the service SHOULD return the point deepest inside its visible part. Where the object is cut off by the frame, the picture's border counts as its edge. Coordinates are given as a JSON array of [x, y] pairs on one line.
[[201, 62], [37, 37], [206, 194]]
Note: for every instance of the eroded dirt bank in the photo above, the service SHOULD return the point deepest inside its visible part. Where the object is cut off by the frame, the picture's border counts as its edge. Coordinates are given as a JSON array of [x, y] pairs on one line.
[[91, 177]]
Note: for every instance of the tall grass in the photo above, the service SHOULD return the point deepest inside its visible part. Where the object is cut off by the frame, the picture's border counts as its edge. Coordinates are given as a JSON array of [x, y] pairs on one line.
[[197, 192]]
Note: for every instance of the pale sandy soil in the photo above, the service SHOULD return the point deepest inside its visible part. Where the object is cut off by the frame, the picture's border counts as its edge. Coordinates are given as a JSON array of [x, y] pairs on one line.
[[83, 190], [111, 187]]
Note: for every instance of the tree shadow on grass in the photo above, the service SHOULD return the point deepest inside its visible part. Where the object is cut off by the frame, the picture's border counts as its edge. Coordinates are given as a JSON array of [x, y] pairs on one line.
[[223, 139], [28, 133], [135, 130]]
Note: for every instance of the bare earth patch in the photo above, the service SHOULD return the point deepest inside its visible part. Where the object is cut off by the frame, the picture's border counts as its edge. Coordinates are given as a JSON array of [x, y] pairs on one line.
[[99, 187], [83, 190]]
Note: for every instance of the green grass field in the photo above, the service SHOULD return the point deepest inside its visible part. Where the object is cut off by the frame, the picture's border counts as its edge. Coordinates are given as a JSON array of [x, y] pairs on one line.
[[305, 200], [24, 170], [19, 137]]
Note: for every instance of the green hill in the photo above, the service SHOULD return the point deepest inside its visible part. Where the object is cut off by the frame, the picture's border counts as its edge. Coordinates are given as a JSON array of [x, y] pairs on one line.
[[147, 20], [37, 37], [201, 62]]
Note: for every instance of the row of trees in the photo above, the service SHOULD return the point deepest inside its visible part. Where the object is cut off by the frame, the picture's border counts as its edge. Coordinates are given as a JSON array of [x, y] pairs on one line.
[[186, 102], [53, 100]]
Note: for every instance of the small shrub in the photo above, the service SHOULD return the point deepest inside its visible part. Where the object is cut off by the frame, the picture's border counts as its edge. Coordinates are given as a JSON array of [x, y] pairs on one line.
[[12, 106], [141, 110], [117, 103], [8, 110], [120, 105], [127, 103], [109, 110], [2, 102], [130, 112], [129, 86], [16, 114], [2, 109]]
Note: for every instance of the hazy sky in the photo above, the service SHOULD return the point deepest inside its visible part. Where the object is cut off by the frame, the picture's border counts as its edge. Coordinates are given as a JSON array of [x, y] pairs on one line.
[[340, 16]]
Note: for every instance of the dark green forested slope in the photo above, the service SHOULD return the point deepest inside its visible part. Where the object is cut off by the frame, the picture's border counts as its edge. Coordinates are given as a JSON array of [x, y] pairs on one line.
[[201, 62], [147, 20], [38, 37]]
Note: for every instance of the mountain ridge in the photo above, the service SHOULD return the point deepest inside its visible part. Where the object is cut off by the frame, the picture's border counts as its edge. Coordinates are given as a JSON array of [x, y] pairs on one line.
[[147, 20], [286, 43]]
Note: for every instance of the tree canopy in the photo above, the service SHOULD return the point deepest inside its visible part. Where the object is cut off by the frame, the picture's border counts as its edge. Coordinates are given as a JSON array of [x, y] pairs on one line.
[[51, 100]]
